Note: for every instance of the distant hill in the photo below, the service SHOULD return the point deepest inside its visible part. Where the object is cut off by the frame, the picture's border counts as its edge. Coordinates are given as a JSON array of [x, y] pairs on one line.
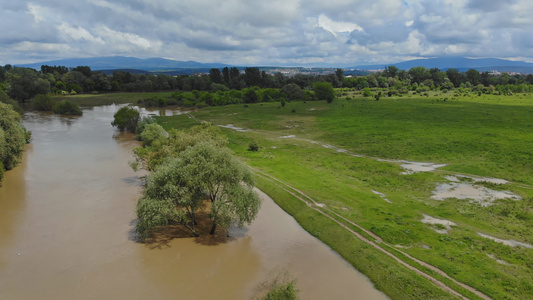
[[460, 63], [121, 63]]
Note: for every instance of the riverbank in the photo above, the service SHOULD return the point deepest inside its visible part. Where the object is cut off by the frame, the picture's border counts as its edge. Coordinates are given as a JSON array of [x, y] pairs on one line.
[[325, 151]]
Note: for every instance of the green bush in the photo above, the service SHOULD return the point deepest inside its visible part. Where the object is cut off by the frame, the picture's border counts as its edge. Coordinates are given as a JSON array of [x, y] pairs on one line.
[[324, 91], [283, 292], [254, 146], [67, 107], [126, 118], [43, 103], [151, 133], [141, 125]]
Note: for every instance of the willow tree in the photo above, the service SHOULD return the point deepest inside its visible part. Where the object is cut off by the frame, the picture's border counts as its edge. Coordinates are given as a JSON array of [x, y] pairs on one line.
[[169, 197], [176, 189], [226, 181]]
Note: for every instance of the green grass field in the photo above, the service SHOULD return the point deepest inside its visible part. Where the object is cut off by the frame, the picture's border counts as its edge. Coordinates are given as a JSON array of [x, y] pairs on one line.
[[311, 145]]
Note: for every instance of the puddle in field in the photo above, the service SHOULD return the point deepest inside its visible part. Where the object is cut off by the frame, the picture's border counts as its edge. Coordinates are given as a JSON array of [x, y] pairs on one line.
[[457, 178], [383, 196], [231, 126], [511, 243], [479, 194], [434, 221], [412, 167]]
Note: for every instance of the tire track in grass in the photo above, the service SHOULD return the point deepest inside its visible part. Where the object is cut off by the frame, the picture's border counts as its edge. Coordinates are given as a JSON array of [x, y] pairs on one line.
[[313, 204]]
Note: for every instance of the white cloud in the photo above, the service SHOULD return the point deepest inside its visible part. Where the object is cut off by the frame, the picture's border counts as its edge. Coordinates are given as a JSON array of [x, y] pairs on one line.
[[336, 27], [78, 33]]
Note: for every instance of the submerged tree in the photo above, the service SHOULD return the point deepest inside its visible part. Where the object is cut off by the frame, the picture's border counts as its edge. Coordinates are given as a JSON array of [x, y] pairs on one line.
[[169, 197], [226, 181], [126, 118], [189, 168]]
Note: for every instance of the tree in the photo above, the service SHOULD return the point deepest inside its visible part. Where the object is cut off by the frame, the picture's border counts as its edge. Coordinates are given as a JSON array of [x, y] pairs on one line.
[[126, 118], [215, 75], [419, 74], [293, 91], [176, 189], [43, 103], [250, 96], [340, 74], [169, 196], [67, 107], [252, 77], [324, 91], [13, 137], [454, 76], [473, 76], [390, 71], [226, 181]]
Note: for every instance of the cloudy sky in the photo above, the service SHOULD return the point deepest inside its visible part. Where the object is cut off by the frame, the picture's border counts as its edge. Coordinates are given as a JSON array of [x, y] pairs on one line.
[[274, 32]]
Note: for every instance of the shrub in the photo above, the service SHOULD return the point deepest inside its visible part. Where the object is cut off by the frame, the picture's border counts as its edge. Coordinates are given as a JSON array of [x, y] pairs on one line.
[[367, 92], [151, 133], [67, 107], [43, 103], [254, 146], [324, 91], [141, 125], [126, 118]]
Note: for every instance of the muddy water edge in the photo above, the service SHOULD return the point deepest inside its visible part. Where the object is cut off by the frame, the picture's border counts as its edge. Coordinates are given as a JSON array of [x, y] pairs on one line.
[[66, 218]]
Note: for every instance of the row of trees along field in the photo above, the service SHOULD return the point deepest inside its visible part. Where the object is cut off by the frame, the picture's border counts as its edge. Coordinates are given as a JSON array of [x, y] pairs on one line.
[[22, 84]]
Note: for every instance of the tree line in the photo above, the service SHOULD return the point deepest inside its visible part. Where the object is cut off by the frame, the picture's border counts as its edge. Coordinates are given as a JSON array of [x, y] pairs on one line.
[[23, 84]]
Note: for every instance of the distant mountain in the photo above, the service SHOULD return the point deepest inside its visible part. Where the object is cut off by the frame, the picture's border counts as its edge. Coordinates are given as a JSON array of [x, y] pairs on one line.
[[460, 63], [121, 62]]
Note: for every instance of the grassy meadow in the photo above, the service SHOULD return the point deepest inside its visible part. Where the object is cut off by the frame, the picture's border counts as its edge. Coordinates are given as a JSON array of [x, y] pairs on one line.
[[329, 151]]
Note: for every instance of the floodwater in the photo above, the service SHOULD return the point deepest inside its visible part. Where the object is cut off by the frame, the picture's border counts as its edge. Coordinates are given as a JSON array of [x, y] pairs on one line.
[[66, 219]]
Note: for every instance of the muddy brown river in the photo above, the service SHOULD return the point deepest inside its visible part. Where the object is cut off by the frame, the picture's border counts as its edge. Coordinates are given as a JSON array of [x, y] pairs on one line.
[[66, 219]]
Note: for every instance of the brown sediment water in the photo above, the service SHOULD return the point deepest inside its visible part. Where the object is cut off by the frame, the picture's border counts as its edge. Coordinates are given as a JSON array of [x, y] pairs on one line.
[[66, 219]]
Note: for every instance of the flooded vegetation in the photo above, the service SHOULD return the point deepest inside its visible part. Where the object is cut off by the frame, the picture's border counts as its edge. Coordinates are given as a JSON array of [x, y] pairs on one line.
[[67, 215]]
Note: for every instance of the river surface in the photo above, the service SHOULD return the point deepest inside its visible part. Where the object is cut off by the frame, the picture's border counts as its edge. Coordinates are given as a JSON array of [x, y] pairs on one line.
[[66, 231]]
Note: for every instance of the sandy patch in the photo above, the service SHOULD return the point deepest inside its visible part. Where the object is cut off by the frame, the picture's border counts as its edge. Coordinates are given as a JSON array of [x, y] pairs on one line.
[[466, 191], [381, 195], [434, 221], [231, 126], [320, 204], [287, 137], [511, 243]]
